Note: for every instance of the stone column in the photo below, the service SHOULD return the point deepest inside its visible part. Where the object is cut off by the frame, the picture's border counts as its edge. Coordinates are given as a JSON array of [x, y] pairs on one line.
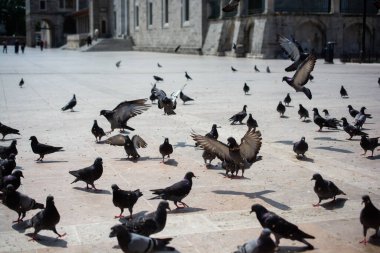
[[269, 6], [335, 6]]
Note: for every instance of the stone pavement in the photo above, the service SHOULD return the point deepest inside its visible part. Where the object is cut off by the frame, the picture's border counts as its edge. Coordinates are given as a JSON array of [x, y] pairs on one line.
[[219, 218]]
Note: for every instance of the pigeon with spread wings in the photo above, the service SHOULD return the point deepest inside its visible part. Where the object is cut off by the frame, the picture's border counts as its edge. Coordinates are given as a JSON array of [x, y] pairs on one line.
[[119, 116], [233, 156], [295, 52]]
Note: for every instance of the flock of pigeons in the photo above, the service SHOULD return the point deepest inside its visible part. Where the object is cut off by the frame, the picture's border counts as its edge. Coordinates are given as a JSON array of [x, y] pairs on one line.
[[134, 233]]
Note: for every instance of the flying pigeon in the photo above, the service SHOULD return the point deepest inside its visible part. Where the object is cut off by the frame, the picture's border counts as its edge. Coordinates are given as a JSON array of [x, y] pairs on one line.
[[233, 69], [187, 76], [300, 147], [131, 146], [343, 92], [13, 179], [281, 109], [5, 130], [233, 155], [279, 226], [350, 129], [6, 151], [177, 191], [97, 131], [295, 52], [124, 199], [263, 244], [120, 115], [116, 140], [369, 218], [177, 48], [322, 122], [301, 77], [169, 104], [135, 243], [89, 174], [42, 149], [8, 165], [158, 79], [268, 69], [159, 65], [256, 69], [18, 202], [21, 83], [185, 98], [231, 6], [245, 88], [118, 64], [151, 223], [287, 100], [70, 105], [325, 189], [45, 219], [303, 112], [166, 149], [369, 144], [239, 117]]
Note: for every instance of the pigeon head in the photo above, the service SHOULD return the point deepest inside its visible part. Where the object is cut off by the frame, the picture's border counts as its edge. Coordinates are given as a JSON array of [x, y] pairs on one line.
[[362, 109], [315, 110], [350, 107], [344, 120], [325, 111], [244, 107], [74, 96], [120, 230], [138, 193], [257, 208], [17, 173], [115, 187], [302, 138], [300, 106], [49, 201], [364, 137], [164, 205], [286, 79], [214, 126], [166, 140], [250, 115], [98, 161], [189, 175], [316, 177], [366, 200], [265, 233], [33, 138], [12, 156], [95, 122], [231, 142], [106, 113]]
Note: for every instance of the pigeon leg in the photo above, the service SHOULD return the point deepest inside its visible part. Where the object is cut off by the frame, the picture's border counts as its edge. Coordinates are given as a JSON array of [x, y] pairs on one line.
[[364, 241], [121, 214], [178, 207], [309, 246], [93, 186], [364, 152], [59, 235], [318, 204], [184, 204]]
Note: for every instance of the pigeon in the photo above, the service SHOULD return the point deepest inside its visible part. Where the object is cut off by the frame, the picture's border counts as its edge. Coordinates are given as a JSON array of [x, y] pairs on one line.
[[233, 69], [120, 115], [97, 131], [118, 64], [18, 202], [153, 97], [185, 98], [45, 219], [343, 92], [166, 149], [245, 88], [212, 134], [70, 105], [303, 112], [151, 223], [159, 65], [300, 147], [89, 174], [131, 146], [177, 191], [369, 218], [295, 52], [231, 6], [21, 83], [251, 123], [301, 77], [116, 140], [135, 243], [207, 155], [13, 179], [378, 81], [239, 117], [177, 48], [325, 189], [5, 130], [268, 69], [6, 151], [361, 117], [124, 199], [187, 76], [158, 79], [279, 226], [281, 109], [350, 129], [352, 111], [42, 149], [369, 144], [233, 156], [8, 165], [322, 122], [256, 69], [331, 119], [169, 104], [263, 244], [287, 100]]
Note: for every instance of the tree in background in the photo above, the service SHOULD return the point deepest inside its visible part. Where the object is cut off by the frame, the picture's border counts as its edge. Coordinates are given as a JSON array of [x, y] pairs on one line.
[[12, 17]]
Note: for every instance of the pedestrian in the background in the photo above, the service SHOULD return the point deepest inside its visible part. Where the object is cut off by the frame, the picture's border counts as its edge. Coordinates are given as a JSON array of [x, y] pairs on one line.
[[5, 47], [96, 34], [17, 45], [42, 45], [22, 47], [89, 40]]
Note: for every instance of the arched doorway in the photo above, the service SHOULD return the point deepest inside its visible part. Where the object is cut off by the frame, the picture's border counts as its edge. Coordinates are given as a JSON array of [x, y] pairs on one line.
[[311, 37], [352, 40], [104, 27], [46, 33]]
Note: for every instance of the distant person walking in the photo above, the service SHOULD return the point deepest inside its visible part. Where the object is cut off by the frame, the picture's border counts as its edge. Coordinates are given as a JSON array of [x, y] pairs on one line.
[[17, 45], [23, 47], [5, 47], [42, 45], [89, 40], [96, 34]]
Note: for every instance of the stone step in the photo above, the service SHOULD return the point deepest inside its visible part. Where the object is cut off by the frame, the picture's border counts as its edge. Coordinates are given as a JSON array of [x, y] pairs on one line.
[[112, 45]]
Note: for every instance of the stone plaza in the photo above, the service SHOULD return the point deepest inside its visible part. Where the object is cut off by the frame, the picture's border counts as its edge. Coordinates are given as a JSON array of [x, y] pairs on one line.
[[218, 218]]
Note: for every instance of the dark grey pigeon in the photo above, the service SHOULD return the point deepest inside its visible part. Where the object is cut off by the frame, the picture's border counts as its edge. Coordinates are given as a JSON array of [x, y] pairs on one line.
[[151, 223], [352, 111], [116, 140], [300, 147], [187, 76], [325, 189], [279, 226], [166, 149], [5, 130], [343, 92], [120, 115], [369, 218], [135, 243], [45, 219], [303, 112], [268, 69], [239, 117], [118, 64], [256, 69], [124, 199], [301, 77], [281, 109], [231, 6], [6, 151], [322, 122], [333, 120], [13, 179], [21, 83], [350, 129], [251, 123], [8, 165], [159, 65], [158, 78], [70, 105], [287, 100], [97, 131], [18, 202], [89, 174], [369, 144], [245, 88], [263, 244], [177, 48], [131, 146], [185, 98], [177, 191], [42, 149], [378, 81], [233, 69]]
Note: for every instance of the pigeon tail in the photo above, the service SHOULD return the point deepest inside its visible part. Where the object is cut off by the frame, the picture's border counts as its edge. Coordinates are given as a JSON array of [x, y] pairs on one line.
[[161, 243], [307, 92], [302, 234], [75, 173]]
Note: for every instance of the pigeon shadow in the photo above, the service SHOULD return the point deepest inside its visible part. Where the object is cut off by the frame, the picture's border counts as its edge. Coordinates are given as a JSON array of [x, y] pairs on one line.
[[373, 157], [42, 162], [248, 94], [182, 144], [135, 160], [18, 168], [187, 210], [287, 249], [284, 117], [329, 131], [49, 241], [234, 177], [327, 139], [374, 240], [99, 191], [289, 106], [213, 167], [305, 159], [340, 150], [332, 205], [345, 97], [258, 195], [306, 121], [20, 227], [171, 162], [11, 139], [285, 142]]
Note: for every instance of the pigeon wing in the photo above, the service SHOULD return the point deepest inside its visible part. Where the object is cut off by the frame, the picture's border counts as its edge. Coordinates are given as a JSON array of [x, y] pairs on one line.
[[290, 48], [128, 109], [250, 145], [180, 188], [46, 149], [213, 146], [301, 76], [139, 142]]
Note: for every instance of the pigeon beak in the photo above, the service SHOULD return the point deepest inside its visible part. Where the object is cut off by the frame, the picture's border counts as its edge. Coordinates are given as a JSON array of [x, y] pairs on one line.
[[250, 212], [169, 208], [312, 179]]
